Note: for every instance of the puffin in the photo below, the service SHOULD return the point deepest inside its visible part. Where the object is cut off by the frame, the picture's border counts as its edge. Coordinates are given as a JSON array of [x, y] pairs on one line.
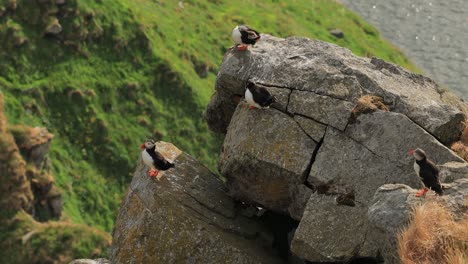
[[154, 159], [243, 36], [258, 97], [427, 171]]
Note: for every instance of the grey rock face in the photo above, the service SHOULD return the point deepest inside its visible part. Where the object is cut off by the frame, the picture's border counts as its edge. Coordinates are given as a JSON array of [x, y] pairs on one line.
[[185, 217], [330, 73], [313, 156], [265, 154]]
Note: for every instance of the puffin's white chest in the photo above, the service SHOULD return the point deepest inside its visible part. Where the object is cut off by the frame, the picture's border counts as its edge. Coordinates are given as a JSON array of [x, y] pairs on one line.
[[236, 35], [417, 169], [249, 99], [147, 159]]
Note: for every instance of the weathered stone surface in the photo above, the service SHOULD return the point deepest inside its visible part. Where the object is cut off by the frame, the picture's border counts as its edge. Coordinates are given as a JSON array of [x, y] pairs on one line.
[[451, 171], [371, 152], [312, 128], [34, 142], [325, 233], [90, 261], [392, 135], [185, 217], [264, 153], [391, 208], [334, 72], [323, 142], [325, 109]]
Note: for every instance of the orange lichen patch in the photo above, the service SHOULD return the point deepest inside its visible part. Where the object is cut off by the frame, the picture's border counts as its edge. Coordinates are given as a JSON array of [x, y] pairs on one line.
[[433, 236], [368, 104], [29, 137]]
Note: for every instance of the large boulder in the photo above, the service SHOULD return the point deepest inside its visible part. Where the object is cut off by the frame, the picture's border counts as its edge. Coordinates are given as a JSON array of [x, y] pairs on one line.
[[321, 74], [342, 127], [391, 210], [266, 154], [185, 217]]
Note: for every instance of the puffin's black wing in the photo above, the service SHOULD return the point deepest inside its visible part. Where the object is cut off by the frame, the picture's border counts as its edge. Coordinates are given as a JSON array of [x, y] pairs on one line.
[[161, 163], [429, 174], [262, 96]]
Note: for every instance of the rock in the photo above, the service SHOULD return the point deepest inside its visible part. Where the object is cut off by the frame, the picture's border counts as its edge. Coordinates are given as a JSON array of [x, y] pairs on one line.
[[451, 171], [15, 190], [185, 217], [262, 166], [337, 33], [90, 261], [312, 128], [34, 142], [371, 152], [312, 240], [324, 109], [53, 28], [391, 210], [346, 130], [330, 73], [60, 2]]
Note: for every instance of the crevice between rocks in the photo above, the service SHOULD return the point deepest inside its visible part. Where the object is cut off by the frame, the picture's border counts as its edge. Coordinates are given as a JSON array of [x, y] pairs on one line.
[[302, 90], [306, 173]]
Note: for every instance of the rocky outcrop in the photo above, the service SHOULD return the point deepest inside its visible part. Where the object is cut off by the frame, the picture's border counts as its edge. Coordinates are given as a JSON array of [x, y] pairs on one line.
[[391, 208], [15, 190], [185, 217], [331, 75], [34, 144], [342, 127]]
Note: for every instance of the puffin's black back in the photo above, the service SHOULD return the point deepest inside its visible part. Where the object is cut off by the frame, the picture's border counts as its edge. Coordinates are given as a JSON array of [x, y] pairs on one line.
[[158, 160], [429, 174], [260, 95]]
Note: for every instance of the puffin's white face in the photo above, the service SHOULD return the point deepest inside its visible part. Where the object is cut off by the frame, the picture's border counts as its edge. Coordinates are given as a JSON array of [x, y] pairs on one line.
[[149, 144], [418, 154]]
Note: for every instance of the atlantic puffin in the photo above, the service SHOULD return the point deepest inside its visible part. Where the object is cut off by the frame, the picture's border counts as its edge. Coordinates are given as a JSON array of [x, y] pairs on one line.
[[243, 35], [258, 97], [427, 171], [154, 159]]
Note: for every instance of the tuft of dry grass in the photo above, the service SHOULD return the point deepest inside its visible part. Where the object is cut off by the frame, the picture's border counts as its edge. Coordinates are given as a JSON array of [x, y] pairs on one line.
[[433, 236], [367, 104], [461, 147]]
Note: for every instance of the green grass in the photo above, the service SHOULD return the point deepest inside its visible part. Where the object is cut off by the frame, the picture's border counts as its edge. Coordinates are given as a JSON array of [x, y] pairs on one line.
[[125, 70]]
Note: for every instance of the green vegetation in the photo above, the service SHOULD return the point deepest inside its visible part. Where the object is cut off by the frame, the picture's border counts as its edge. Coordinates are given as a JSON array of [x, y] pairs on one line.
[[124, 70], [52, 242]]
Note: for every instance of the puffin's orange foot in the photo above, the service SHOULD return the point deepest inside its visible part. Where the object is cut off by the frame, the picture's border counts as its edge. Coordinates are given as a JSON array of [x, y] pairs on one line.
[[153, 173], [421, 192], [242, 47], [251, 107]]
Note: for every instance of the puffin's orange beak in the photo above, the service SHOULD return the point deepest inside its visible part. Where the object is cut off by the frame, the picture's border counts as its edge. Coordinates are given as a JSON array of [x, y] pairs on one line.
[[142, 146], [411, 152]]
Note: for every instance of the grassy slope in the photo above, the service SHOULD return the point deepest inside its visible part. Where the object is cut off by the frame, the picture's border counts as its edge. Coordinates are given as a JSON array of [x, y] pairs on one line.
[[125, 70]]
